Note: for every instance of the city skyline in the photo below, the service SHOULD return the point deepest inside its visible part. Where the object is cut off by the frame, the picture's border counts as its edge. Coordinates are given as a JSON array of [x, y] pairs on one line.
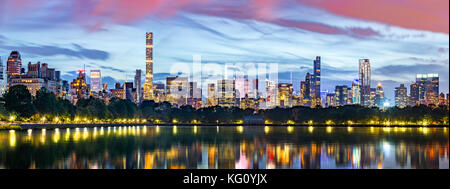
[[220, 38]]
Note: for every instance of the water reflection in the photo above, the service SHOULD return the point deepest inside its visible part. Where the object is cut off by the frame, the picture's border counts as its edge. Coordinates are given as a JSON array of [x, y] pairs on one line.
[[197, 147]]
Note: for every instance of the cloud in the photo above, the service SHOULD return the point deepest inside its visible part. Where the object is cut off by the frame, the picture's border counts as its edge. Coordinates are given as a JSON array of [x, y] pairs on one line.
[[430, 15], [51, 50]]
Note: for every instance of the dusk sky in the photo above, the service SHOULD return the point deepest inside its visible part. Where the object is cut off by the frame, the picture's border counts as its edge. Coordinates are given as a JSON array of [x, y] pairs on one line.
[[401, 38]]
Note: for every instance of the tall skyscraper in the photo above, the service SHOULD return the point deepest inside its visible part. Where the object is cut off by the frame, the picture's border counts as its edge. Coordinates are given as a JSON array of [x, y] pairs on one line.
[[148, 85], [14, 64], [356, 92], [137, 83], [226, 92], [379, 96], [414, 94], [2, 78], [401, 96], [364, 79], [96, 81], [315, 87], [211, 95]]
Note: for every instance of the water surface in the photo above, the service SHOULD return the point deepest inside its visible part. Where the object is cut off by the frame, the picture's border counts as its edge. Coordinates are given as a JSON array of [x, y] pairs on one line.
[[157, 147]]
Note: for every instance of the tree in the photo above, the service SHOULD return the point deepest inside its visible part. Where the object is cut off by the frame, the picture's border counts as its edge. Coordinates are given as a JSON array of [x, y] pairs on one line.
[[46, 103], [18, 100]]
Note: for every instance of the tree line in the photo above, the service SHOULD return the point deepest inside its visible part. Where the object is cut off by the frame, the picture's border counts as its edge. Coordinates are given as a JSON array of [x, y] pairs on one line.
[[18, 104]]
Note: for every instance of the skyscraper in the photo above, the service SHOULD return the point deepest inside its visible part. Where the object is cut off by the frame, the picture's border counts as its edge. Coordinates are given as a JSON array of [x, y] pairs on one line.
[[428, 83], [341, 95], [148, 85], [285, 91], [96, 81], [413, 94], [364, 79], [226, 92], [356, 90], [2, 78], [401, 99], [14, 64], [379, 96], [331, 100], [315, 87], [211, 95], [137, 83]]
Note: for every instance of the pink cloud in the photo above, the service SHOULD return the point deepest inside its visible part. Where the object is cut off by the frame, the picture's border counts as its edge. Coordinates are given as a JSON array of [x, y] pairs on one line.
[[431, 15]]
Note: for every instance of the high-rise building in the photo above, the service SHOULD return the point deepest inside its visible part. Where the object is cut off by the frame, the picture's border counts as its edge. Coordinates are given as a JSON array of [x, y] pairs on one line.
[[226, 92], [356, 92], [148, 84], [177, 89], [401, 96], [331, 100], [242, 87], [96, 81], [285, 91], [341, 95], [305, 91], [379, 96], [414, 94], [315, 87], [428, 87], [14, 64], [137, 83], [271, 94], [160, 92], [364, 80], [211, 95], [79, 87], [2, 78], [442, 101]]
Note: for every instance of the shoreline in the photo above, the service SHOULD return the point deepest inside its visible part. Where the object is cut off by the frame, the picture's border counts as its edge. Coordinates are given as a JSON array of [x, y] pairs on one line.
[[91, 125]]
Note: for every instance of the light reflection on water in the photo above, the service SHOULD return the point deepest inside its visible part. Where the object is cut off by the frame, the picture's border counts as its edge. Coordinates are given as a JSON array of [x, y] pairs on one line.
[[159, 147]]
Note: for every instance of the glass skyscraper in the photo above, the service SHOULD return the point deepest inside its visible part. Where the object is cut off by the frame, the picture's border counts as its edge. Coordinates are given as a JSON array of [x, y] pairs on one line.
[[148, 85], [364, 80]]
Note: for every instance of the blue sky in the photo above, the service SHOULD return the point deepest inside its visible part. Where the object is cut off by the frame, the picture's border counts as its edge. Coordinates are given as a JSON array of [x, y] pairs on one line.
[[110, 35]]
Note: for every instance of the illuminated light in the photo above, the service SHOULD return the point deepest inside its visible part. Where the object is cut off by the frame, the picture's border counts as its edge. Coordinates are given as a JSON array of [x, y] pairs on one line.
[[12, 118], [311, 122], [387, 123], [387, 129], [290, 129], [350, 122], [195, 129], [56, 119], [310, 129], [217, 129], [329, 122], [424, 123], [239, 122], [174, 121], [174, 130], [77, 119], [12, 138], [425, 130], [43, 131], [29, 132], [157, 129], [290, 122], [349, 129], [267, 122], [144, 130], [329, 129], [266, 129], [240, 129]]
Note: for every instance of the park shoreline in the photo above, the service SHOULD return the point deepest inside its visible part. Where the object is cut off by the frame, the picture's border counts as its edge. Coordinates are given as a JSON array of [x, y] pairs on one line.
[[98, 125]]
